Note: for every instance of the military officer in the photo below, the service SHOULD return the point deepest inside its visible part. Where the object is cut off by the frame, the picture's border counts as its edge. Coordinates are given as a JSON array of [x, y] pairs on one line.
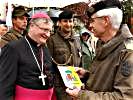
[[111, 74]]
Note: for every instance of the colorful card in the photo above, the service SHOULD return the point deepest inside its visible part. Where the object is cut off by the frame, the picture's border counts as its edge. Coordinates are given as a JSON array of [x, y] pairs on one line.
[[70, 77]]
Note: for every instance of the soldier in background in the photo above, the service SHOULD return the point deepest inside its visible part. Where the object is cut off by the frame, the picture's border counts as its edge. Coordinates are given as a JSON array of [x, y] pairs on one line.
[[87, 50], [65, 48], [19, 21]]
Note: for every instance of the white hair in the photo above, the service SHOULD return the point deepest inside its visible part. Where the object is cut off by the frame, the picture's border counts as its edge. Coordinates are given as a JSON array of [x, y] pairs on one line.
[[115, 14]]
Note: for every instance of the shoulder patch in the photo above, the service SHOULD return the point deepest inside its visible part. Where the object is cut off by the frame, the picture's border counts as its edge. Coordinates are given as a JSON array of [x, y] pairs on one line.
[[129, 44], [126, 69]]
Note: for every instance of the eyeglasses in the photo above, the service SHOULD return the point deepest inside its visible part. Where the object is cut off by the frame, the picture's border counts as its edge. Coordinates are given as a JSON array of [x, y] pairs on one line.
[[44, 30], [93, 19]]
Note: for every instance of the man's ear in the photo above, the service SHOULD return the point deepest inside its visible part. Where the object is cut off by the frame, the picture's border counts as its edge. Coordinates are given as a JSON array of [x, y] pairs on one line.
[[107, 20], [59, 23], [14, 19]]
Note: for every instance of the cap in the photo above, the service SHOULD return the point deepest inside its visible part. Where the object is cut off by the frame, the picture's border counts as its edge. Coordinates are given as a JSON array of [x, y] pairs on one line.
[[103, 5], [19, 11], [40, 15], [66, 14]]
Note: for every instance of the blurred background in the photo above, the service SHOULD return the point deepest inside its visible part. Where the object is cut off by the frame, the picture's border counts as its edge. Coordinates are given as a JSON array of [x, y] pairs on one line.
[[53, 8]]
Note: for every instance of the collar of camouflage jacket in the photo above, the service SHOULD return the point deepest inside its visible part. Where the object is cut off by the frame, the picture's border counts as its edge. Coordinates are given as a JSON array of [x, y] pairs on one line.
[[105, 49]]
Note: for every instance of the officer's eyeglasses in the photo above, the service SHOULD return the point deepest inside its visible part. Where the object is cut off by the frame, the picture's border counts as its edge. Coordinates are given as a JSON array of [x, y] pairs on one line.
[[43, 29], [91, 20]]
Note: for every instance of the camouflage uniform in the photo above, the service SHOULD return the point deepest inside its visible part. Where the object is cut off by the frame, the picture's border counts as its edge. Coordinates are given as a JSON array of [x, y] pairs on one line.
[[17, 12], [61, 49], [111, 74], [9, 36]]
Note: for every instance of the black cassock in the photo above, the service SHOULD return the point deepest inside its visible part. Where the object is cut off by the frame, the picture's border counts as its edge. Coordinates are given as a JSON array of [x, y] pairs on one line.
[[18, 67]]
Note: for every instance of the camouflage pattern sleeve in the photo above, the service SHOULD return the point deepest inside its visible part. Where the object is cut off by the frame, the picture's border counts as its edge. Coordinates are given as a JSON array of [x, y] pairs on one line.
[[123, 82]]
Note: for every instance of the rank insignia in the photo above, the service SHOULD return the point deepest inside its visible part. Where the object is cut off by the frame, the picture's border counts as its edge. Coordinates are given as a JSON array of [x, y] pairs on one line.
[[126, 69]]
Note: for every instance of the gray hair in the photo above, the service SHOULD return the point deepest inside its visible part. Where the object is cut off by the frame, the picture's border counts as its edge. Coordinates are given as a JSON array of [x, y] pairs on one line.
[[41, 20], [115, 14]]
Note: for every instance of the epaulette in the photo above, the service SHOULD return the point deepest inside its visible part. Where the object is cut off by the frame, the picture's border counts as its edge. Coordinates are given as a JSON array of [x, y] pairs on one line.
[[129, 43]]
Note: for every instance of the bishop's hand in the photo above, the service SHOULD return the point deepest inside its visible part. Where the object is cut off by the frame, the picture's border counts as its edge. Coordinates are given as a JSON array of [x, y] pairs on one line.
[[73, 92]]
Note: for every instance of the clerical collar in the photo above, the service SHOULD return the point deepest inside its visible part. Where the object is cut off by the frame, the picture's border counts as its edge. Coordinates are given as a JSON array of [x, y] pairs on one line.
[[32, 41]]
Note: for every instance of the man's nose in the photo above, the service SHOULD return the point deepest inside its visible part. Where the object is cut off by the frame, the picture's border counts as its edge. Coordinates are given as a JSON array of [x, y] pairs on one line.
[[25, 20], [47, 34], [89, 27]]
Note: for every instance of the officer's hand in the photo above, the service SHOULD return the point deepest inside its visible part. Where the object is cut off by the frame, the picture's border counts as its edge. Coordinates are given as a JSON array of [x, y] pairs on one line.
[[80, 71]]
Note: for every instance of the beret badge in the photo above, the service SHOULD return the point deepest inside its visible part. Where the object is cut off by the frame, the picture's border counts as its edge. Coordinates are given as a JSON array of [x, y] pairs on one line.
[[91, 9]]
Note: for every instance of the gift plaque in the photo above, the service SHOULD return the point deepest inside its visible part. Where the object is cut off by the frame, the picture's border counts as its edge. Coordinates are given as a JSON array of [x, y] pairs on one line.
[[70, 77]]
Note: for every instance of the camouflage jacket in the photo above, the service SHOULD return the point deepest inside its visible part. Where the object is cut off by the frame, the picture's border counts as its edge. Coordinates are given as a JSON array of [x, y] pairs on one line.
[[9, 36], [61, 49], [111, 74], [64, 51]]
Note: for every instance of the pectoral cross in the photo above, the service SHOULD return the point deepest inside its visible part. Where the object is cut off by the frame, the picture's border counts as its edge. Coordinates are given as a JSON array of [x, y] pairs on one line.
[[42, 76]]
